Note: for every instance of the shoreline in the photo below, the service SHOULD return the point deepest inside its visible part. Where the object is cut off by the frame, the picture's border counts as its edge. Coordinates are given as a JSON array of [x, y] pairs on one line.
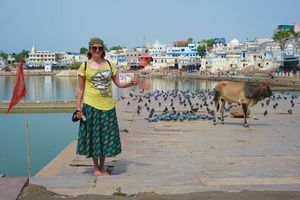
[[40, 107], [282, 82]]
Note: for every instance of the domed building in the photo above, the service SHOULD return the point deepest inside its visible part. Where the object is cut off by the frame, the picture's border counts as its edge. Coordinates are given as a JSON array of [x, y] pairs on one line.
[[233, 43]]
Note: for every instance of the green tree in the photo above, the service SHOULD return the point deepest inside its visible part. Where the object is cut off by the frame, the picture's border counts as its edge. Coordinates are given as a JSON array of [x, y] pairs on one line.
[[282, 37], [74, 65], [190, 40], [83, 50], [116, 47], [23, 54], [201, 50], [210, 42], [3, 55]]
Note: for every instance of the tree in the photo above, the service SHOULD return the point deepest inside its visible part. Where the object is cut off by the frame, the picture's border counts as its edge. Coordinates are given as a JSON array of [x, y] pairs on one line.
[[23, 54], [190, 40], [282, 36], [83, 50], [201, 50], [116, 48], [74, 65], [210, 42], [3, 55]]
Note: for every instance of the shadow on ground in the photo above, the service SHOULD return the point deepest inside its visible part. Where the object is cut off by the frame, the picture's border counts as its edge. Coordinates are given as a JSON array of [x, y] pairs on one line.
[[34, 192]]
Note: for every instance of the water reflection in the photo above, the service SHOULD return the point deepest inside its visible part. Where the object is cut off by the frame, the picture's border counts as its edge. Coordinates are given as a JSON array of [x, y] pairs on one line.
[[64, 88]]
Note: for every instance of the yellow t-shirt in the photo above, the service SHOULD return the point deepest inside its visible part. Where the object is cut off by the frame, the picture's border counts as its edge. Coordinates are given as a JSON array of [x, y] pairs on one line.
[[98, 86]]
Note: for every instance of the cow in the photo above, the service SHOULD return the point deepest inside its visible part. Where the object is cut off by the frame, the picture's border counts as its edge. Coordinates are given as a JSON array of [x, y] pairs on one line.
[[244, 93]]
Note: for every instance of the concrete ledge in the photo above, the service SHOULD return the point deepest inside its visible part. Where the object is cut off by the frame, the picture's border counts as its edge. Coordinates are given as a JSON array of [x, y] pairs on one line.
[[62, 159], [11, 187]]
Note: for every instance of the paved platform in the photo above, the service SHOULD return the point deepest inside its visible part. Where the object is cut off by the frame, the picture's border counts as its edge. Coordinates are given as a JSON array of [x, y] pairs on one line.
[[189, 156], [11, 187]]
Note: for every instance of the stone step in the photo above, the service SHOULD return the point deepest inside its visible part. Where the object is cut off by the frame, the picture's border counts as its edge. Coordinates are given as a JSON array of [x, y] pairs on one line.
[[11, 187]]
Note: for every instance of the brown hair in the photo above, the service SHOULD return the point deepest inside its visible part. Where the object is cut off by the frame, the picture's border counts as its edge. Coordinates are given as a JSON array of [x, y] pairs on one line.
[[91, 43]]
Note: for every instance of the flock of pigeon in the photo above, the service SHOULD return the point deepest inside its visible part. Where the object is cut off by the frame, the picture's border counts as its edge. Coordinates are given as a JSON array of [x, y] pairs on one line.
[[181, 105]]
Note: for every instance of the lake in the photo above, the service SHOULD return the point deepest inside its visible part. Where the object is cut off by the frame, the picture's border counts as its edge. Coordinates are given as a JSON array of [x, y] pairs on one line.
[[45, 88]]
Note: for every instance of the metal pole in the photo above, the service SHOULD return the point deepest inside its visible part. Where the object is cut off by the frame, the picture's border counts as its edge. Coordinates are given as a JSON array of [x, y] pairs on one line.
[[27, 139]]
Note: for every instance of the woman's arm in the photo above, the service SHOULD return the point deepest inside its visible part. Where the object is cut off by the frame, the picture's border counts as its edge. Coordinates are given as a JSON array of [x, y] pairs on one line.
[[116, 80]]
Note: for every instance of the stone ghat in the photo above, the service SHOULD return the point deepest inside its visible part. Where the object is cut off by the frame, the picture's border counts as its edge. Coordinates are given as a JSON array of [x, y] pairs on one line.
[[176, 157], [40, 107]]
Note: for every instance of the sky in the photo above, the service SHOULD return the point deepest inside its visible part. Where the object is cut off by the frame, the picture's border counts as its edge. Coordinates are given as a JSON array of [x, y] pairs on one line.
[[67, 25]]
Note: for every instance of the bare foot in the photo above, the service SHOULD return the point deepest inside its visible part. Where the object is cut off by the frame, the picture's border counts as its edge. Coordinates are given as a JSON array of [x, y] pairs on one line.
[[101, 173], [98, 173], [105, 173]]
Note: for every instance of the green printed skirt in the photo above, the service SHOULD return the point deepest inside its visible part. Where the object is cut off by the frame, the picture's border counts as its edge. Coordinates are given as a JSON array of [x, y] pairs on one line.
[[99, 135]]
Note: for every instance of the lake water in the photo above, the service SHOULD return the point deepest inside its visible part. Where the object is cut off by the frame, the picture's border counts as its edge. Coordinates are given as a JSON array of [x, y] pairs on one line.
[[65, 88], [49, 134]]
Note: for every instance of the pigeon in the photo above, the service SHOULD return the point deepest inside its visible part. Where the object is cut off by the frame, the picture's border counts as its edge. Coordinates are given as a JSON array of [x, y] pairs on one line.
[[292, 103], [151, 113], [265, 113], [166, 109]]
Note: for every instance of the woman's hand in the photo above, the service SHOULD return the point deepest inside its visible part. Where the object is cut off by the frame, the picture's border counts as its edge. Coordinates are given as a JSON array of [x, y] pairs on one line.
[[79, 113]]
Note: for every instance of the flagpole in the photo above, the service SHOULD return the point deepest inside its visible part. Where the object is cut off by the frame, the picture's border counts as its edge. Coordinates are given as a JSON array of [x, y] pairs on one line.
[[27, 139], [19, 93]]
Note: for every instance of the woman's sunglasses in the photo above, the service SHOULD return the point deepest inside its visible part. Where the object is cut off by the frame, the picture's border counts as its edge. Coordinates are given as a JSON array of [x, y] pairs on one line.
[[97, 48]]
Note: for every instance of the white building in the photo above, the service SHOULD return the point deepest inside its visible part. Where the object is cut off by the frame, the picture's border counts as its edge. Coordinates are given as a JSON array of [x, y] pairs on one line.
[[2, 61], [261, 54], [40, 57], [118, 57], [73, 57], [157, 48], [164, 56]]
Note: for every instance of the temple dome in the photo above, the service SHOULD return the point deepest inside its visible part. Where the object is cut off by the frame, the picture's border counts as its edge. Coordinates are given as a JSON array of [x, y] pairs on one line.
[[234, 42], [290, 46]]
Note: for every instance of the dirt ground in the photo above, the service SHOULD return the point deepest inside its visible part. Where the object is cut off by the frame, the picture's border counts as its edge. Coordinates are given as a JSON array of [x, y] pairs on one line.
[[34, 192]]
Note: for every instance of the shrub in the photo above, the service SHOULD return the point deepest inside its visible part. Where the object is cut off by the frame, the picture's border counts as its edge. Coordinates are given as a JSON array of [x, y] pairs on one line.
[[74, 65]]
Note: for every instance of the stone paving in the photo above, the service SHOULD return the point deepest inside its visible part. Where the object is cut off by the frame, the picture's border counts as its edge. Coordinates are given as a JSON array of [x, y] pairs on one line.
[[11, 187], [190, 156]]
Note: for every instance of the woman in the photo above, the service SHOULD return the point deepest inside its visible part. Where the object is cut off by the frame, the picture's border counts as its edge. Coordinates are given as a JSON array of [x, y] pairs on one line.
[[98, 131]]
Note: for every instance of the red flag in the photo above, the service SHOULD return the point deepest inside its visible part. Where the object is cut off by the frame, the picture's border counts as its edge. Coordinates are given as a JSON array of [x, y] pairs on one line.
[[19, 88]]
